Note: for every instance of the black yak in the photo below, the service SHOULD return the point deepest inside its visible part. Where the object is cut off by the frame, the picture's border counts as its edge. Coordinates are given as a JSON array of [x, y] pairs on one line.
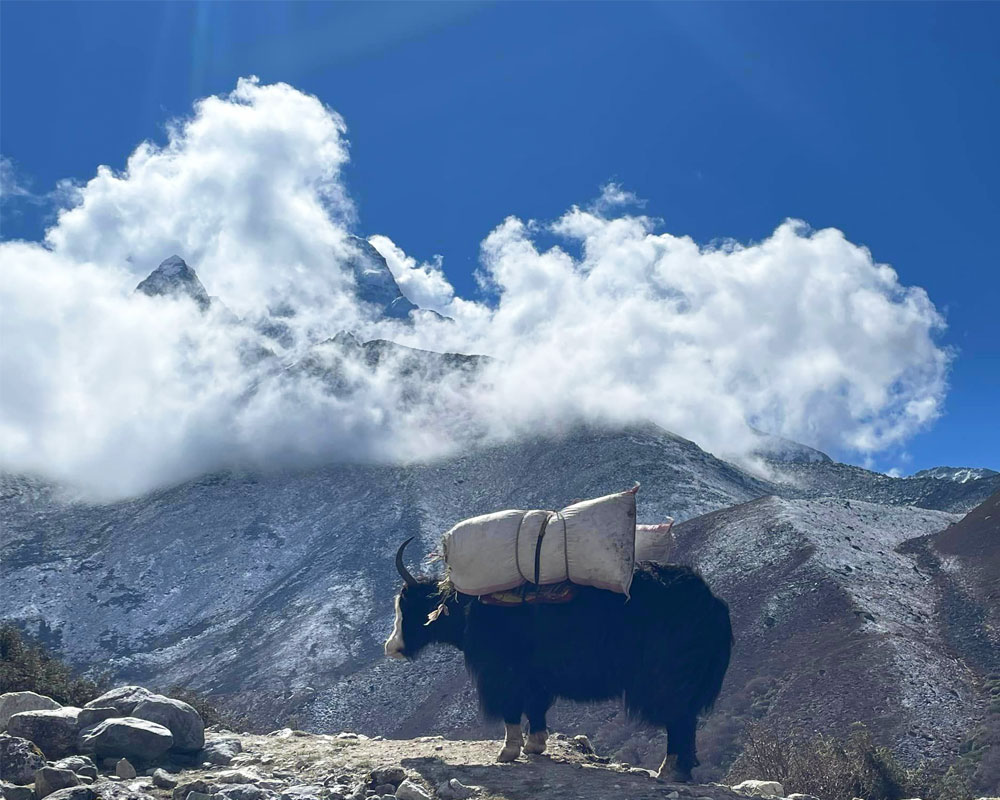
[[664, 652]]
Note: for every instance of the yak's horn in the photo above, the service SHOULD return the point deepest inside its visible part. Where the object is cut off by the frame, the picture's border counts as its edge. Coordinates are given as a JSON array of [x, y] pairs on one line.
[[401, 567]]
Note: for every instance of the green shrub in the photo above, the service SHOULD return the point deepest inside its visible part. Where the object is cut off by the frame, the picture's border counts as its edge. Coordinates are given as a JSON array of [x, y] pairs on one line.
[[830, 768], [26, 667]]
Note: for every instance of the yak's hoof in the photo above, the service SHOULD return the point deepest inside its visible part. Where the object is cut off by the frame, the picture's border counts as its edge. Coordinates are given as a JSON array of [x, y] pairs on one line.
[[536, 743], [669, 771], [509, 753]]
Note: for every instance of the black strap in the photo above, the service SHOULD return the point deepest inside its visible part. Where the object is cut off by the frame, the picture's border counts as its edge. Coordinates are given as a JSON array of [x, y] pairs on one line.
[[538, 547]]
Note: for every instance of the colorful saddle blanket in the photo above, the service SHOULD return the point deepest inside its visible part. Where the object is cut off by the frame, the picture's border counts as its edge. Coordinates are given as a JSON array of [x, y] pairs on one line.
[[527, 594]]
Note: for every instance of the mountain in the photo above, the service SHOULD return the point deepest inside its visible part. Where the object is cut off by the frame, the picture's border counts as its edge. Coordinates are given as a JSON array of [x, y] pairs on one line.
[[374, 281], [957, 474], [274, 591], [175, 278]]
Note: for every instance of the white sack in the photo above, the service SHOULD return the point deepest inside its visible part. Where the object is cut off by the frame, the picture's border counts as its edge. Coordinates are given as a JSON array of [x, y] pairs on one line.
[[590, 543], [654, 542]]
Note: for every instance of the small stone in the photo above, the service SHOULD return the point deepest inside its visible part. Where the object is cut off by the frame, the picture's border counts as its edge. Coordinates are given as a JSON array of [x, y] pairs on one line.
[[797, 796], [454, 789], [242, 791], [237, 776], [304, 792], [52, 779], [222, 751], [163, 779], [12, 703], [182, 790], [385, 788], [81, 765], [760, 788], [408, 790], [125, 770], [198, 796], [582, 743]]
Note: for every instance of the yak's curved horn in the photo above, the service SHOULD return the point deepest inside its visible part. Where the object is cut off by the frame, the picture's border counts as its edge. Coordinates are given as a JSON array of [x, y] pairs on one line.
[[401, 567]]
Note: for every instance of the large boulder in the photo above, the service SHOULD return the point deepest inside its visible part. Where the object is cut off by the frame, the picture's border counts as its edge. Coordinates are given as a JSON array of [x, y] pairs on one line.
[[124, 699], [19, 760], [178, 717], [52, 779], [89, 717], [53, 731], [12, 703], [11, 792], [127, 737]]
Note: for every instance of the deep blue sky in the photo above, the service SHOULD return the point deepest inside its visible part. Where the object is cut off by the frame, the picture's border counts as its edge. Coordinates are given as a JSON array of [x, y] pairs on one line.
[[882, 120]]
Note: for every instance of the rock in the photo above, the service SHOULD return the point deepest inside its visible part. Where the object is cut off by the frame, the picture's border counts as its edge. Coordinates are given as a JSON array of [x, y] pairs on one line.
[[454, 789], [237, 776], [11, 792], [81, 765], [12, 703], [52, 779], [222, 751], [124, 699], [243, 791], [760, 788], [88, 717], [19, 759], [125, 770], [164, 779], [801, 797], [184, 788], [178, 717], [386, 775], [74, 793], [53, 731], [128, 737], [199, 796], [309, 791], [408, 790], [582, 743], [384, 789]]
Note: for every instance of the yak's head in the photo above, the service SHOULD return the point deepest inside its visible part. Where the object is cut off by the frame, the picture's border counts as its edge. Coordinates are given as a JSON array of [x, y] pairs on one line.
[[418, 608]]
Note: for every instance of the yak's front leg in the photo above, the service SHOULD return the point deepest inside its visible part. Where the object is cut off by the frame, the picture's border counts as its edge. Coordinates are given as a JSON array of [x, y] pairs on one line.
[[512, 743], [501, 695]]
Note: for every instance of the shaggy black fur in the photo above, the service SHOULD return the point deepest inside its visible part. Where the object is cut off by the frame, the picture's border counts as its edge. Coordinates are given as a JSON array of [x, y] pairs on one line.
[[665, 651]]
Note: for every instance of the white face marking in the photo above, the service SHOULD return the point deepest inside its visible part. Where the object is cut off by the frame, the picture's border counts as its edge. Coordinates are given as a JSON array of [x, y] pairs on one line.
[[394, 644]]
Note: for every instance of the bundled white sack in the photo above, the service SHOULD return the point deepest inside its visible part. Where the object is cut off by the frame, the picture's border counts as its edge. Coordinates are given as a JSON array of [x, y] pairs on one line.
[[590, 543]]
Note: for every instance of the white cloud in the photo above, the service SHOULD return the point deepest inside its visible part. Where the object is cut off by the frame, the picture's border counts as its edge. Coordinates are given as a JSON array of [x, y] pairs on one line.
[[802, 334]]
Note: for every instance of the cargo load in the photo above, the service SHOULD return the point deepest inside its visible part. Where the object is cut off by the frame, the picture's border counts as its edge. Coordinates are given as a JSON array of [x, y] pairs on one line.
[[590, 543]]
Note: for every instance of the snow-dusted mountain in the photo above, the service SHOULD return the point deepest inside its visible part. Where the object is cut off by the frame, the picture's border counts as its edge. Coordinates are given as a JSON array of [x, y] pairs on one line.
[[957, 474], [173, 277]]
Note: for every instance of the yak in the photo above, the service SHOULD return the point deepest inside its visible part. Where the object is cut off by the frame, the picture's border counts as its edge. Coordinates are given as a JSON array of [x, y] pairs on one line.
[[664, 651]]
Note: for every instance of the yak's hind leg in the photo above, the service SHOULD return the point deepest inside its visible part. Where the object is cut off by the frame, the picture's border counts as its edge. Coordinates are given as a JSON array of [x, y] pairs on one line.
[[681, 758], [538, 704]]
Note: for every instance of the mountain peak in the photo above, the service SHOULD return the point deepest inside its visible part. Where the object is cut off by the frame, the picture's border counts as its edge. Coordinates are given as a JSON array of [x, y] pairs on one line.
[[174, 277], [375, 282]]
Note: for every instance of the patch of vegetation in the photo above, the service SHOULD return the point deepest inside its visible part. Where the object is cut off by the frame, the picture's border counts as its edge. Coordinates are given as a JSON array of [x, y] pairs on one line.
[[25, 666], [834, 769], [210, 713]]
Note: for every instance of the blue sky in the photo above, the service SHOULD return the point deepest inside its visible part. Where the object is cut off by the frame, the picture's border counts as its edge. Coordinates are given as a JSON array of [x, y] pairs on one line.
[[878, 119]]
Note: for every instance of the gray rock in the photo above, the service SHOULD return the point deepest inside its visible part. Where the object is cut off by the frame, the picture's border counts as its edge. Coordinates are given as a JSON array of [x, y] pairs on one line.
[[124, 699], [128, 737], [385, 789], [178, 717], [582, 743], [184, 788], [164, 779], [81, 765], [797, 796], [19, 759], [12, 703], [199, 796], [11, 792], [391, 775], [237, 776], [125, 770], [52, 779], [74, 793], [454, 789], [88, 717], [222, 751], [54, 731], [760, 788], [309, 791], [243, 791], [408, 790]]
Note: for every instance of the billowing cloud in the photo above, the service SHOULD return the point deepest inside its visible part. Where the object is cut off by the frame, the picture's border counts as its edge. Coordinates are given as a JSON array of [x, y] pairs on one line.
[[802, 334]]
